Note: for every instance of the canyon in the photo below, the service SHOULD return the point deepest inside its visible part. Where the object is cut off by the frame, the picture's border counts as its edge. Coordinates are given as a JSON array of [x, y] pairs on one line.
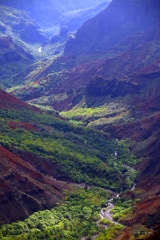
[[103, 76]]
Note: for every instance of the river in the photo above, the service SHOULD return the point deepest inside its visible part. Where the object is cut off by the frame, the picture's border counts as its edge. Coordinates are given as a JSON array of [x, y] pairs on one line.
[[106, 212]]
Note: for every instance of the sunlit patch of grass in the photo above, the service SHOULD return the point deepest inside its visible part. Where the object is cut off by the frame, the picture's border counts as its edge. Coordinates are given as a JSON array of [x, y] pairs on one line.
[[96, 116]]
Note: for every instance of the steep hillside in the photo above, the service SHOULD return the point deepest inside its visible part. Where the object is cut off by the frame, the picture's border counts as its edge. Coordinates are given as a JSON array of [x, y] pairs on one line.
[[7, 101], [24, 190], [14, 57]]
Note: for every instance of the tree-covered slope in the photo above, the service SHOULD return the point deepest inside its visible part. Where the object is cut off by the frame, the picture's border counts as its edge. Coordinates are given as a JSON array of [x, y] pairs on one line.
[[75, 219], [37, 143]]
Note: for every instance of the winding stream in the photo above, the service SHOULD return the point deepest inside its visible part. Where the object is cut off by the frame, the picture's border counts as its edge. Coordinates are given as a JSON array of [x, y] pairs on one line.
[[106, 212]]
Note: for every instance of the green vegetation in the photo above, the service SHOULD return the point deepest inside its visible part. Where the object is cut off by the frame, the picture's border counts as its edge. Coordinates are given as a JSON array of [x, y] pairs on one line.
[[105, 221], [81, 154], [83, 113], [122, 208], [111, 232], [74, 219], [93, 116]]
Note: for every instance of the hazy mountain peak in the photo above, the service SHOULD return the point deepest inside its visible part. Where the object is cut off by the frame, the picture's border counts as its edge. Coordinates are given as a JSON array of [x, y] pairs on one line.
[[115, 25]]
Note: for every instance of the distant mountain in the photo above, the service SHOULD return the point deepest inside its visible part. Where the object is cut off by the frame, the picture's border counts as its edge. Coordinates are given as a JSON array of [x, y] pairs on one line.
[[19, 28], [46, 12], [73, 20], [13, 57], [124, 25], [120, 48]]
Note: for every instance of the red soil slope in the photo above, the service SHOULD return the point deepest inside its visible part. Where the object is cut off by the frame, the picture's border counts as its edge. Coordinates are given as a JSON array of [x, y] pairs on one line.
[[24, 190], [10, 102]]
